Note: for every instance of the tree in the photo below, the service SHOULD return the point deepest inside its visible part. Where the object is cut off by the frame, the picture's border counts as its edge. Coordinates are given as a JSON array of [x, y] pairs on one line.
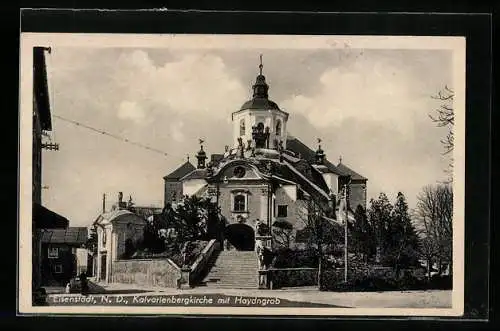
[[313, 214], [91, 243], [434, 210], [283, 234], [444, 117], [403, 244], [379, 215], [361, 232]]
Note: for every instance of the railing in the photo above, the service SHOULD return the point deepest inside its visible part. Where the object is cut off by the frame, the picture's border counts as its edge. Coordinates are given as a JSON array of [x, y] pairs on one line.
[[191, 275]]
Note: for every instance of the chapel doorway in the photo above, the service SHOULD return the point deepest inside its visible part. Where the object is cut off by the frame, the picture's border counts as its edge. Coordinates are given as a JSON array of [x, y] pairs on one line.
[[104, 267], [240, 236]]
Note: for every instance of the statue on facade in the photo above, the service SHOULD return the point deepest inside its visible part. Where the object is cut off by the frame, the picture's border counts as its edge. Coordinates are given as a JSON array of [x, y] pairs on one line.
[[241, 147], [260, 136]]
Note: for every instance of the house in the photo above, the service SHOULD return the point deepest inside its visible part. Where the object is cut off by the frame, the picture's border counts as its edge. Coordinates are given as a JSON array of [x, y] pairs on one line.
[[267, 177], [118, 234], [42, 218], [63, 255]]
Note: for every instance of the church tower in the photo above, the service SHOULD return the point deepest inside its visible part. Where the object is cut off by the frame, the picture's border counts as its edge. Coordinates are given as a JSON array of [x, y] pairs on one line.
[[260, 117]]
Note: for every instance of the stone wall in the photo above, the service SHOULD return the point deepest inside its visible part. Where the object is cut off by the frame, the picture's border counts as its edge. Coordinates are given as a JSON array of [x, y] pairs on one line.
[[158, 272], [294, 277]]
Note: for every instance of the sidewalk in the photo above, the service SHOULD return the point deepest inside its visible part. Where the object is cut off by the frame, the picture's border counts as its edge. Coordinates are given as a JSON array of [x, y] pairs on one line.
[[389, 299]]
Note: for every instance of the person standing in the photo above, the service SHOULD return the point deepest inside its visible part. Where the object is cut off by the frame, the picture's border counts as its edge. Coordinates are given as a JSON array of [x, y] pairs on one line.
[[84, 283]]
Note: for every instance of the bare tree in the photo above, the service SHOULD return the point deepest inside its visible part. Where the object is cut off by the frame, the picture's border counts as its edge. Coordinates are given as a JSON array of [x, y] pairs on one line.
[[283, 236], [435, 212], [321, 232], [444, 116]]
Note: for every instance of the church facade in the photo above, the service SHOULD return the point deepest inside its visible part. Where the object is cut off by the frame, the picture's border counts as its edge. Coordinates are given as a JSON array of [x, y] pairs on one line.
[[266, 176]]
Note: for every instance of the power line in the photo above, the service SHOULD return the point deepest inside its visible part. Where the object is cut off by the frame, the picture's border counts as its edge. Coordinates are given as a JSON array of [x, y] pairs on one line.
[[112, 135]]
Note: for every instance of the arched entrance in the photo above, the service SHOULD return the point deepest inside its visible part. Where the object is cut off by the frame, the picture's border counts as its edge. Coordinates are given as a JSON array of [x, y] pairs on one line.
[[240, 236]]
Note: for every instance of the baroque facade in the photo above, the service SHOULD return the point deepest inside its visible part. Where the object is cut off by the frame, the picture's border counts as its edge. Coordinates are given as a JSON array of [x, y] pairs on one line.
[[266, 176]]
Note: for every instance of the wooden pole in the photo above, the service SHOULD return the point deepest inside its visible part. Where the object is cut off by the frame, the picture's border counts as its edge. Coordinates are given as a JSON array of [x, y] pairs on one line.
[[345, 234]]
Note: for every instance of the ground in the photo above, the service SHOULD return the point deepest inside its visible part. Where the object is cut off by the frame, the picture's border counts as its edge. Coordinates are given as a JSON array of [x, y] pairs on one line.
[[387, 299]]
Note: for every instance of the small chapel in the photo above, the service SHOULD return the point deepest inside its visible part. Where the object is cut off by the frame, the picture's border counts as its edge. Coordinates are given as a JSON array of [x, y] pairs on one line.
[[266, 176]]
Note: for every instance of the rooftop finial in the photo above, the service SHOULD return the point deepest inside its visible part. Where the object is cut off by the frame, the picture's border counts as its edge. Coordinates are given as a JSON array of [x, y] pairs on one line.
[[260, 65], [188, 157], [340, 159]]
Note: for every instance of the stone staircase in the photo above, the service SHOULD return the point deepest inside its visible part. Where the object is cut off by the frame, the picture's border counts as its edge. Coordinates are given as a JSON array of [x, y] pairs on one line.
[[232, 269]]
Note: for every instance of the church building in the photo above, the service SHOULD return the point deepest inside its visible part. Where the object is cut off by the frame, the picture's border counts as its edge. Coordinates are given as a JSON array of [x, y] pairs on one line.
[[265, 175]]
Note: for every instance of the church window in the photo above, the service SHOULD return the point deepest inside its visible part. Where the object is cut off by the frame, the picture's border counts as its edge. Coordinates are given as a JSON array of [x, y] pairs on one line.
[[242, 127], [278, 128], [282, 211], [239, 203]]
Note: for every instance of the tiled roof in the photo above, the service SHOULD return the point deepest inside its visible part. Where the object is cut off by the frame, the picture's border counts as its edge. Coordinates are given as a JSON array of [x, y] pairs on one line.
[[45, 218], [354, 175], [196, 174], [180, 172], [298, 147], [71, 236], [216, 157], [259, 103]]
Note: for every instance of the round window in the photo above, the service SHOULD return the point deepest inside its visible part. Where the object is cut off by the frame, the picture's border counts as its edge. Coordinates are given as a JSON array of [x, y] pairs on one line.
[[239, 172]]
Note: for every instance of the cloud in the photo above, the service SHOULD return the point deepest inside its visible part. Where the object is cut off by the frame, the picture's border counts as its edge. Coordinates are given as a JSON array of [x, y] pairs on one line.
[[193, 84], [129, 110], [176, 131], [371, 89]]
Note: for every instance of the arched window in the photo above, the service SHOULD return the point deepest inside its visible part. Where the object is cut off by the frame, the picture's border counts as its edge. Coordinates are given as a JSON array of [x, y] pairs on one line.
[[239, 203], [278, 128], [242, 127]]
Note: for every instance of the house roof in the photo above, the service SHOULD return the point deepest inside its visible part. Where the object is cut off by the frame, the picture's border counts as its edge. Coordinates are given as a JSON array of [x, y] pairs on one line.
[[181, 171], [298, 147], [354, 175], [40, 87], [45, 218], [118, 215], [196, 174], [70, 236]]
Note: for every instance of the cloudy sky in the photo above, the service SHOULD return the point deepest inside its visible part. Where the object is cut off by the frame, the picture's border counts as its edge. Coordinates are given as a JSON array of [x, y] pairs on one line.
[[370, 106]]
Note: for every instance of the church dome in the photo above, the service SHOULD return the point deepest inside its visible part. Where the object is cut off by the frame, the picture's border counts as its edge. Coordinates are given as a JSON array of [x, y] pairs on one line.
[[260, 103], [260, 98]]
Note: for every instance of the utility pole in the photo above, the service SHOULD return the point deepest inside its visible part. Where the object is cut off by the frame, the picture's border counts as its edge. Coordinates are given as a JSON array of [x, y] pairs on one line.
[[345, 233]]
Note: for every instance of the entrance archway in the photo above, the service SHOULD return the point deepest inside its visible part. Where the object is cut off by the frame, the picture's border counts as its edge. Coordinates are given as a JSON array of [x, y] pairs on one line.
[[240, 236]]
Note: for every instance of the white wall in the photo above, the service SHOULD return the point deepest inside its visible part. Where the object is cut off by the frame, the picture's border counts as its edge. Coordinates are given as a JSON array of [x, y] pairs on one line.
[[252, 117], [191, 186], [332, 181]]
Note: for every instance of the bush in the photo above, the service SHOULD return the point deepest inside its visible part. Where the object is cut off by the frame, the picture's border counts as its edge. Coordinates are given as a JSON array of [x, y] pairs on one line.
[[290, 258], [381, 279], [174, 253]]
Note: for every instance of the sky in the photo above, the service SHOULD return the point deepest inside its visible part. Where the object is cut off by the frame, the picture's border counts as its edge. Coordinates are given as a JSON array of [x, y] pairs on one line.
[[370, 106]]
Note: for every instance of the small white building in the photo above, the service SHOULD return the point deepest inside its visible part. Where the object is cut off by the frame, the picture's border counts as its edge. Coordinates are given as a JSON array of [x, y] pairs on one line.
[[116, 231]]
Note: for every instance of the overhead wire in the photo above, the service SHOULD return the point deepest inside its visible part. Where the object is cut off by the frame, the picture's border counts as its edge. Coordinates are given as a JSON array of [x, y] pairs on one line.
[[126, 140]]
